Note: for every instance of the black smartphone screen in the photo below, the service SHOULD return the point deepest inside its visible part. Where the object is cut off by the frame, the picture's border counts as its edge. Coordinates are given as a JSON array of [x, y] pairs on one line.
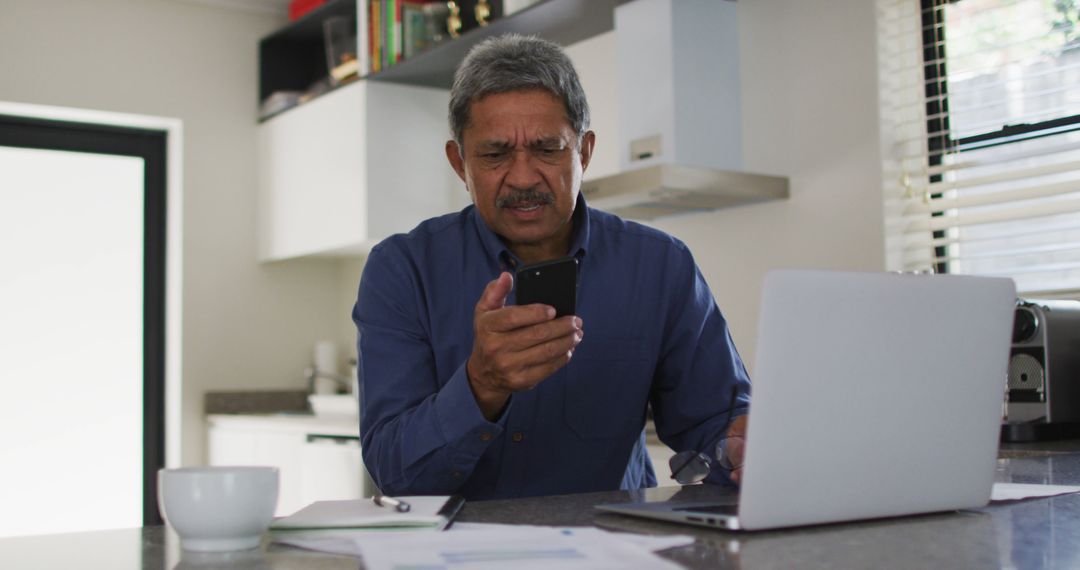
[[550, 283]]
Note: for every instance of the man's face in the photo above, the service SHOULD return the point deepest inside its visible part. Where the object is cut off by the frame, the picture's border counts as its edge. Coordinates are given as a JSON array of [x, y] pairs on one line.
[[523, 165]]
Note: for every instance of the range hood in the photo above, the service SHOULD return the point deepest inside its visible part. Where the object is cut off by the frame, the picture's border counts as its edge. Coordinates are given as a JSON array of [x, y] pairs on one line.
[[680, 114], [668, 189]]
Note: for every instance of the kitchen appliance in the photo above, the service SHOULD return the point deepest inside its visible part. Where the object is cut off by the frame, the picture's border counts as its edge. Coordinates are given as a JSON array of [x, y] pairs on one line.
[[1042, 398], [679, 114]]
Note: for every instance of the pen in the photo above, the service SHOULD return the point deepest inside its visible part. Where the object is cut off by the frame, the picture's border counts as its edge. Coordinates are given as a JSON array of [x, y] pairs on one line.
[[384, 501]]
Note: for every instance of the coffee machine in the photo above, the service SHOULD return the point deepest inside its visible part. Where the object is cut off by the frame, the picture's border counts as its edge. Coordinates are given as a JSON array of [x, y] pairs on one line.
[[1042, 398]]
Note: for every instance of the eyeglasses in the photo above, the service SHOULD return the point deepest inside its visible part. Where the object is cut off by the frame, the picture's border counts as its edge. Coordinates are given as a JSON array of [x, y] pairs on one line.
[[689, 467]]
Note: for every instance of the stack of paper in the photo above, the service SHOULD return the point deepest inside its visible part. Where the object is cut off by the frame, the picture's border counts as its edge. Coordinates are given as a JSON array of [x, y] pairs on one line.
[[483, 546]]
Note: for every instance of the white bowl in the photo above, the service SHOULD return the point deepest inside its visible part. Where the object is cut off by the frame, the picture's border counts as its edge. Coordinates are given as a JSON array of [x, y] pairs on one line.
[[216, 509], [334, 405]]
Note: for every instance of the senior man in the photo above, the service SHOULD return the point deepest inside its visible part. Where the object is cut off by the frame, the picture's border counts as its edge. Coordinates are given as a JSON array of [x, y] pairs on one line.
[[464, 393]]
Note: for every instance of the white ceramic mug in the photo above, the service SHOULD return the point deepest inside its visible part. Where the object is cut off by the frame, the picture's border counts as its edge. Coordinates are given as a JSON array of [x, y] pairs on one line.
[[216, 509]]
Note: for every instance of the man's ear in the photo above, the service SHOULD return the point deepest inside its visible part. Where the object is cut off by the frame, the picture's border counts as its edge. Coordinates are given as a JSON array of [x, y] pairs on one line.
[[453, 154], [587, 143]]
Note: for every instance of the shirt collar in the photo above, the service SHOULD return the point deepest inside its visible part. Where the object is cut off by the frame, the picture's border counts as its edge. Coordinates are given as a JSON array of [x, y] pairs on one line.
[[579, 242], [497, 250]]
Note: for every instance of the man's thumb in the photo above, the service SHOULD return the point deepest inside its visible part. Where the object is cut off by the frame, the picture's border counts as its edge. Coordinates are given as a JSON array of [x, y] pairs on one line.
[[495, 293]]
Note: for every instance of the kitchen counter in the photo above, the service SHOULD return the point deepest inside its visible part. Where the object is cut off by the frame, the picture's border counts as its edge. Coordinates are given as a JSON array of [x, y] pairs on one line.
[[1038, 533], [289, 422]]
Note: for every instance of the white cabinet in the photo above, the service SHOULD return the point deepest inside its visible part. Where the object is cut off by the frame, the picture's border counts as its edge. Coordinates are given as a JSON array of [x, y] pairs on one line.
[[660, 455], [328, 469], [318, 459], [341, 172], [344, 171]]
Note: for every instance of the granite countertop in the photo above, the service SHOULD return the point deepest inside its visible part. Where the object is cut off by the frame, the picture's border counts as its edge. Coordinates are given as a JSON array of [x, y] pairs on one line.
[[1038, 533], [276, 411], [255, 402]]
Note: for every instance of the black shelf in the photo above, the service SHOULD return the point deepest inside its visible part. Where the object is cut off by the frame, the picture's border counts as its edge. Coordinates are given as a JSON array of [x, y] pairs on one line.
[[561, 21], [293, 58]]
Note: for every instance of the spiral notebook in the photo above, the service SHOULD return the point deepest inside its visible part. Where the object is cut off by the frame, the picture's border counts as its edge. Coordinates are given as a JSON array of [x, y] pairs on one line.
[[426, 513]]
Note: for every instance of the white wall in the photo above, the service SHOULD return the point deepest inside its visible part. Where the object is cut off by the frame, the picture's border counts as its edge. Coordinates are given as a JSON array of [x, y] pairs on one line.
[[809, 110], [245, 325], [809, 99], [348, 283]]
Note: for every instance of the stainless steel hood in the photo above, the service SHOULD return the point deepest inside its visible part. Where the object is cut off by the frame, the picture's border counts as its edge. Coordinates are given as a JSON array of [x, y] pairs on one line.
[[668, 189], [679, 114]]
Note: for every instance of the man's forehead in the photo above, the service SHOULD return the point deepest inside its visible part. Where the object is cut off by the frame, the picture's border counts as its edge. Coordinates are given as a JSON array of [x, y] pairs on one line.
[[539, 139]]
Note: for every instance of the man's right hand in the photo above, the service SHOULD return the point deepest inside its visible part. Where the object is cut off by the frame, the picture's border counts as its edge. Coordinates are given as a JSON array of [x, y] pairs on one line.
[[515, 348]]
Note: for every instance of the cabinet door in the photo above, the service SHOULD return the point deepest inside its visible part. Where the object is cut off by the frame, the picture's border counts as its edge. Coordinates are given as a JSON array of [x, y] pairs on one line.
[[311, 165], [409, 179], [331, 469], [232, 447], [238, 446]]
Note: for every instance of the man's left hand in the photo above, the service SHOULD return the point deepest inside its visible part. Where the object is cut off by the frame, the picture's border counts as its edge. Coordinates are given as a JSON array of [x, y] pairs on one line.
[[735, 446]]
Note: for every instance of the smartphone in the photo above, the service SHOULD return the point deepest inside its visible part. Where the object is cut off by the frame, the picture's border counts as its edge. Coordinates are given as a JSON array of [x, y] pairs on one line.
[[550, 283]]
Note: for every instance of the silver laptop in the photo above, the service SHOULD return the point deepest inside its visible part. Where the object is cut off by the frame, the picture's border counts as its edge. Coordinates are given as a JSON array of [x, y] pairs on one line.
[[874, 395]]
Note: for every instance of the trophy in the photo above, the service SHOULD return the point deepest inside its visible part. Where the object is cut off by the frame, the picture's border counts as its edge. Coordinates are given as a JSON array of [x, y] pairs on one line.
[[453, 21], [482, 12]]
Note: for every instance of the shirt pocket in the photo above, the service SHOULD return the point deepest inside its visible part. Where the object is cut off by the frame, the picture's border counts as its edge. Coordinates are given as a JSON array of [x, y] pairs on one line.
[[607, 387]]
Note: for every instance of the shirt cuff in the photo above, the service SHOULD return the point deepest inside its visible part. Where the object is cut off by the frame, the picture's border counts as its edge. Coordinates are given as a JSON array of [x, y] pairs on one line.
[[458, 415]]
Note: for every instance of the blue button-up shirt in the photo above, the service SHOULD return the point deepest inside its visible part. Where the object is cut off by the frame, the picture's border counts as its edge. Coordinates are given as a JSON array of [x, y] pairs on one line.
[[652, 333]]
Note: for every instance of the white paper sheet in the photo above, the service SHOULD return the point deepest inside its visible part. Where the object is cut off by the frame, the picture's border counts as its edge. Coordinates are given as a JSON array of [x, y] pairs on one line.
[[585, 547], [650, 542], [528, 549], [1018, 491]]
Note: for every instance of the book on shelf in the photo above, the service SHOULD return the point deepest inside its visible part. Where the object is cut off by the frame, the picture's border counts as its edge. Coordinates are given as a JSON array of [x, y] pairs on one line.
[[363, 38], [374, 26], [395, 30], [388, 12]]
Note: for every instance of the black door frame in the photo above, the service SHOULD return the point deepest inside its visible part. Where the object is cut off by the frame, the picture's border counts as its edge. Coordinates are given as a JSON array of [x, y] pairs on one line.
[[151, 146]]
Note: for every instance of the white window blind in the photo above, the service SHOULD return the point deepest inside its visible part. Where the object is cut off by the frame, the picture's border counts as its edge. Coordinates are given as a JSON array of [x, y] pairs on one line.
[[981, 138]]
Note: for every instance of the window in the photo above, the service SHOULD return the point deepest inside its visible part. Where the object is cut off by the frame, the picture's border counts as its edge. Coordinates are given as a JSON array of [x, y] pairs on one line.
[[82, 241], [993, 187]]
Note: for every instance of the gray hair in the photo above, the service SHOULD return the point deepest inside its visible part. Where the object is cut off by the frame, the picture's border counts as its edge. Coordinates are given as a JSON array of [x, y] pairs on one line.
[[513, 62]]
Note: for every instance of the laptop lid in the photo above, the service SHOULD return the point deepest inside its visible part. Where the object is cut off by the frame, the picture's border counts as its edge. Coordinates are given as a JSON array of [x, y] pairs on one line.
[[874, 394]]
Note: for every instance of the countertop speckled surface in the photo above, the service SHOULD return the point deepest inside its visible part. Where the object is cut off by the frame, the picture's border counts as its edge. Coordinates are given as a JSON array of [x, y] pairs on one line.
[[1039, 533]]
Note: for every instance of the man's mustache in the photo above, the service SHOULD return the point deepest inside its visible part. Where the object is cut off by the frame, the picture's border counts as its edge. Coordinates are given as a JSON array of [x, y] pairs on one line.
[[532, 196]]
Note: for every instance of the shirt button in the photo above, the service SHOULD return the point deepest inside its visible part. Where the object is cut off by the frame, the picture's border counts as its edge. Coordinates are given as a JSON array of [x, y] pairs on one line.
[[456, 474], [518, 436], [485, 437]]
